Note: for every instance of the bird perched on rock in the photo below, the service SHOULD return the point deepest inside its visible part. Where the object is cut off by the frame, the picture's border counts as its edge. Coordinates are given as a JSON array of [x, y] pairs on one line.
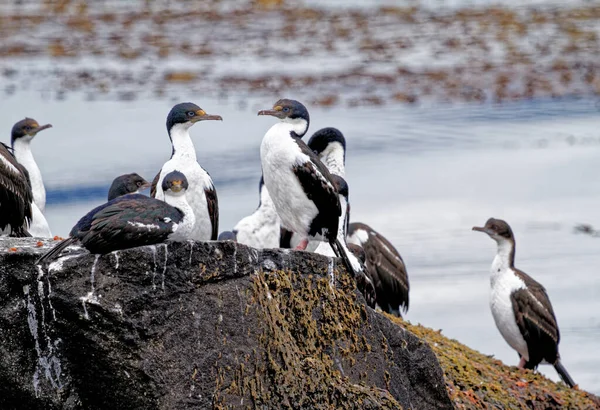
[[521, 307], [385, 267], [262, 228], [299, 184], [134, 220], [202, 195], [127, 184], [21, 184]]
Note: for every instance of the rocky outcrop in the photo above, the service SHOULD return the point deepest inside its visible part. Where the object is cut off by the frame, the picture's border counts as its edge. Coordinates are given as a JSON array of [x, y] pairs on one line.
[[201, 325]]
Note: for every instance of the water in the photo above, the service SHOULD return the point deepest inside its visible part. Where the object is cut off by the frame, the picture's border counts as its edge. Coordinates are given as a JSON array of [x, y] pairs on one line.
[[421, 176]]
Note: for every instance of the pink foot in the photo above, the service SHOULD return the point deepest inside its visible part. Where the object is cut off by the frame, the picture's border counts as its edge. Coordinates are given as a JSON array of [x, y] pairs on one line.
[[302, 245], [522, 363]]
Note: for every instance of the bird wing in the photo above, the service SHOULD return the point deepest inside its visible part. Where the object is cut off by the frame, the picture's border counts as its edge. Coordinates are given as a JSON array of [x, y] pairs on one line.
[[130, 222], [212, 203], [390, 269], [536, 321], [154, 184], [15, 193], [317, 183]]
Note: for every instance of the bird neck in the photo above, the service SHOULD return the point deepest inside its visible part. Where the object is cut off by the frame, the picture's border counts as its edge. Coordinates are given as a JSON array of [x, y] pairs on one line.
[[180, 202], [182, 142], [24, 156], [334, 158], [296, 127], [505, 256]]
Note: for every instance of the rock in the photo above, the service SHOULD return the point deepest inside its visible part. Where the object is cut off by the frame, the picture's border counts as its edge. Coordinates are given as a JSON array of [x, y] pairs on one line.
[[201, 325]]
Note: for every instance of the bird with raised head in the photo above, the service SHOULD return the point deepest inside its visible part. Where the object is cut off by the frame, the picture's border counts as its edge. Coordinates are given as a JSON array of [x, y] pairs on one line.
[[202, 195], [520, 306], [133, 220], [301, 187]]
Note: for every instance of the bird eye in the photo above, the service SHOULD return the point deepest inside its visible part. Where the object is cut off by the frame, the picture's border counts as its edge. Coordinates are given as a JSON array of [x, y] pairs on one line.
[[139, 183], [191, 113], [286, 109], [27, 128]]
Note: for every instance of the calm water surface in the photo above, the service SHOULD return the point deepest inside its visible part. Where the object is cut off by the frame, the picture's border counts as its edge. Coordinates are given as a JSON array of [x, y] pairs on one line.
[[421, 176]]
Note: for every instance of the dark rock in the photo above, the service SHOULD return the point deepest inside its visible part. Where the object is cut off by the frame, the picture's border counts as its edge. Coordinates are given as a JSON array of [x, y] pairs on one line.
[[200, 325]]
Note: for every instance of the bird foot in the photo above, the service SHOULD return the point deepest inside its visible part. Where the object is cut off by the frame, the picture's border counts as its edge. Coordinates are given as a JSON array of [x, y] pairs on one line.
[[302, 245], [522, 363]]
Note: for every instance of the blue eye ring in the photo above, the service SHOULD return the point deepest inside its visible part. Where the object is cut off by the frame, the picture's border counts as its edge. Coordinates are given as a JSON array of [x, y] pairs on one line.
[[190, 113], [286, 109]]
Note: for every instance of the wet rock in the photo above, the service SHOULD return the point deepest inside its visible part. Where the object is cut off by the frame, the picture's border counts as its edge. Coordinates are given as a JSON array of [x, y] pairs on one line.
[[200, 325]]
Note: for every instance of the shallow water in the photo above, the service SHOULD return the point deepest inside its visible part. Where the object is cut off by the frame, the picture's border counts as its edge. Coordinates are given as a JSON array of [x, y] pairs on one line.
[[422, 176]]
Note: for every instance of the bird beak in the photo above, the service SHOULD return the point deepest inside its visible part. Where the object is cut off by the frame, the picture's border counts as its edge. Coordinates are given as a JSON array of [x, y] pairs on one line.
[[176, 186], [201, 115], [484, 230], [34, 131], [145, 185], [274, 113]]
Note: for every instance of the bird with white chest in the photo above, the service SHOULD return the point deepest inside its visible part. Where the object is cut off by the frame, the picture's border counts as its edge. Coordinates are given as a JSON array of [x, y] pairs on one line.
[[301, 187], [22, 134], [521, 307], [202, 195]]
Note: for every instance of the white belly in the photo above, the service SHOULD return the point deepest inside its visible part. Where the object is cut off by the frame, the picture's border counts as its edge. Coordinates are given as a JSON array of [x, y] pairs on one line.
[[39, 226], [503, 285], [259, 234], [279, 153], [198, 180]]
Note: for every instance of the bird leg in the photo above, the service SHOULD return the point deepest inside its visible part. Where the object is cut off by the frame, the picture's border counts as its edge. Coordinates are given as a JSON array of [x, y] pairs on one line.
[[522, 363], [302, 245]]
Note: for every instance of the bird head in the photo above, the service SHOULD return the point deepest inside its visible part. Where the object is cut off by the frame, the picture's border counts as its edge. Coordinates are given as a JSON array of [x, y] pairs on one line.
[[26, 129], [497, 229], [290, 111], [187, 114], [175, 183]]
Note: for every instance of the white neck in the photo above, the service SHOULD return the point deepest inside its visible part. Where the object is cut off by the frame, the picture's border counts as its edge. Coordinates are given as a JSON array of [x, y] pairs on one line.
[[297, 125], [333, 158], [182, 142], [23, 154], [501, 263]]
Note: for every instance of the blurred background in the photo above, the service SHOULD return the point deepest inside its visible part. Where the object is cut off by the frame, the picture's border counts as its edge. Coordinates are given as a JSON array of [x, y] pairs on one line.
[[454, 111]]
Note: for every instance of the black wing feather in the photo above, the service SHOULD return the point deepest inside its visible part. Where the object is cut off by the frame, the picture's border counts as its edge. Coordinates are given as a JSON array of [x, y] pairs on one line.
[[317, 183], [15, 195], [536, 321], [213, 211]]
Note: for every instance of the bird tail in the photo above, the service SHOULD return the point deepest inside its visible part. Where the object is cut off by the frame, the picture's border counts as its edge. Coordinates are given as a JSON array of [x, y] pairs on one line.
[[564, 375], [363, 281], [54, 252]]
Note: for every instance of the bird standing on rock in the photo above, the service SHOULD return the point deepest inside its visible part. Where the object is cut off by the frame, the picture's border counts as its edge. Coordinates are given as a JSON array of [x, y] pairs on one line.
[[299, 184], [202, 195], [521, 307], [22, 192], [134, 220]]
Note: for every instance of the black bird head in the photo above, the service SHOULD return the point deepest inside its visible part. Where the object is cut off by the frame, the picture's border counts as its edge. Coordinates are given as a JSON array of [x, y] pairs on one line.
[[325, 139], [188, 114], [290, 111], [176, 182], [497, 229], [127, 184], [26, 129]]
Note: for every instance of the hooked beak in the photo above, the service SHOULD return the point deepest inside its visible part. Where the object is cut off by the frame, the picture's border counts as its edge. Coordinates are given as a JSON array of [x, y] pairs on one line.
[[201, 115], [145, 185], [34, 131], [484, 230], [274, 113]]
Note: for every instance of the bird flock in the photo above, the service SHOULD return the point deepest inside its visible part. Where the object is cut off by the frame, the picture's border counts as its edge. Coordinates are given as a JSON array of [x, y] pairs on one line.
[[303, 204]]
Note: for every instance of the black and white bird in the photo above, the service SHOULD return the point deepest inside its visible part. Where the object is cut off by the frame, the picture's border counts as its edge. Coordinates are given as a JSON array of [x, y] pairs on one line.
[[133, 220], [330, 146], [262, 228], [384, 264], [127, 184], [521, 307], [19, 173], [202, 195], [299, 184], [385, 267]]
